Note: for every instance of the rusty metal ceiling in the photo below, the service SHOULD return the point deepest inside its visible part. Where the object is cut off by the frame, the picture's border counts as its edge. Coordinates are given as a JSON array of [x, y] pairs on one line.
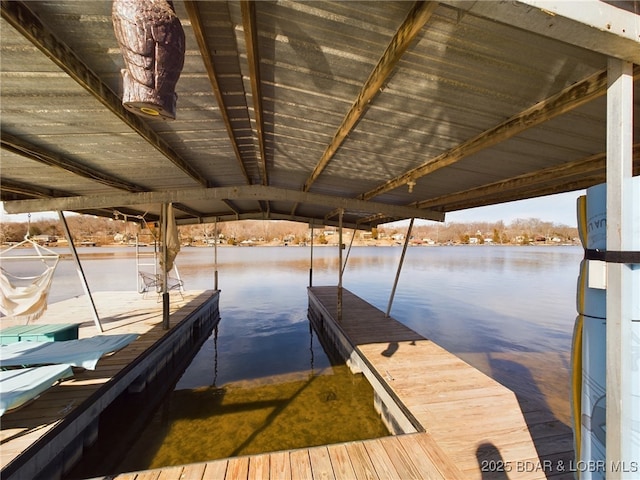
[[295, 110]]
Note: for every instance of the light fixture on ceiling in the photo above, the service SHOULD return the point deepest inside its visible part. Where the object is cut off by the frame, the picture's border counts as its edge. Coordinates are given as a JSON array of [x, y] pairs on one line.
[[411, 184]]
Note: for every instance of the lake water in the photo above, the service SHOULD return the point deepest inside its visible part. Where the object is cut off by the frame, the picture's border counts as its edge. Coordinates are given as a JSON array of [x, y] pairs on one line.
[[508, 311]]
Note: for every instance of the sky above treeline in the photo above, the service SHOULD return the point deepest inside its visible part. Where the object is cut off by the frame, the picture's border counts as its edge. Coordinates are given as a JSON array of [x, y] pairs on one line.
[[559, 209]]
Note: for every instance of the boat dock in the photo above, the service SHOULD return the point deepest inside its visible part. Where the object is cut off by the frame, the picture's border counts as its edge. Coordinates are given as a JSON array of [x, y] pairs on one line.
[[449, 419], [44, 438], [477, 422]]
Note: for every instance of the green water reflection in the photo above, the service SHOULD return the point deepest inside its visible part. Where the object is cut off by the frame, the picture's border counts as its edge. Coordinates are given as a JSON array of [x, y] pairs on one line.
[[249, 417]]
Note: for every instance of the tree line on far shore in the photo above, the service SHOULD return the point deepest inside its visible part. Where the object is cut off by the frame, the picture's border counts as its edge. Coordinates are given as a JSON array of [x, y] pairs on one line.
[[103, 231]]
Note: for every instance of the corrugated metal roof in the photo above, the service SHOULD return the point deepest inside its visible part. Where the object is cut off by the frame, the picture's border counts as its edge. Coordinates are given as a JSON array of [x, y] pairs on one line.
[[477, 109]]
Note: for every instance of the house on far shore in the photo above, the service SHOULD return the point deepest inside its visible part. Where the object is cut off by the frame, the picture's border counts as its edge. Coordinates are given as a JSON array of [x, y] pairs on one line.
[[45, 240]]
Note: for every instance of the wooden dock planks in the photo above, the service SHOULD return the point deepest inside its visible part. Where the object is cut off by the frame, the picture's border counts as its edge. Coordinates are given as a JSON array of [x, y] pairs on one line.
[[468, 417], [462, 408], [400, 457], [121, 312]]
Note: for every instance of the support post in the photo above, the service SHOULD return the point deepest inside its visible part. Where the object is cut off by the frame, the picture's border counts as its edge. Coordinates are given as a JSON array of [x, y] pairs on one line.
[[81, 275], [340, 215], [311, 260], [395, 282], [620, 447], [215, 254], [346, 259], [165, 274]]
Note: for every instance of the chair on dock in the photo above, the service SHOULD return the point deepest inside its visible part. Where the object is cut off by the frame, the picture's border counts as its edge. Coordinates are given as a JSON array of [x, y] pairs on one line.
[[25, 297], [152, 281]]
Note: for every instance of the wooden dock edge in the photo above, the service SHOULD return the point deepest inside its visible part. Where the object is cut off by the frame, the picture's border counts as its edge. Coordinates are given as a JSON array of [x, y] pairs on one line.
[[395, 415], [56, 452]]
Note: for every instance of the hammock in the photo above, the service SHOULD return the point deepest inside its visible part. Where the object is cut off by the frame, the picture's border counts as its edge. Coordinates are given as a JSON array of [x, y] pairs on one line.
[[25, 298]]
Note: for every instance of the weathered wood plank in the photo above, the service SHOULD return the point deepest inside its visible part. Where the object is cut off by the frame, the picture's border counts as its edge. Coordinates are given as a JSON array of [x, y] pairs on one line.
[[238, 468], [428, 456], [196, 471], [399, 458], [361, 462], [126, 476], [171, 473], [340, 461], [217, 469], [321, 466], [280, 466], [258, 467], [148, 475], [380, 459], [301, 465]]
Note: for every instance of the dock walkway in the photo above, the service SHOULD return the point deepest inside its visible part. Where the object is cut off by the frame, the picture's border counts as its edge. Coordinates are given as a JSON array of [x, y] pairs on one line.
[[64, 419], [466, 424], [476, 421]]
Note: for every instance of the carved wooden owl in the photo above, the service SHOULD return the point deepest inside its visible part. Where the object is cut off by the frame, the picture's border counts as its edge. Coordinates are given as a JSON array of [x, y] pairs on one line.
[[152, 43]]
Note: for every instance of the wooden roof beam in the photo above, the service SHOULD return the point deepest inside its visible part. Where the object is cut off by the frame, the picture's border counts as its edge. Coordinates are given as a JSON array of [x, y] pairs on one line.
[[21, 147], [571, 97], [11, 188], [193, 11], [20, 17], [251, 40], [19, 191], [552, 180], [536, 191], [419, 14], [595, 163], [598, 26], [189, 211], [558, 180]]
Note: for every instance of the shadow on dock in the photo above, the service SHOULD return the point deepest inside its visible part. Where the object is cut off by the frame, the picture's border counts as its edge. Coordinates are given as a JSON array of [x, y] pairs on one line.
[[552, 438]]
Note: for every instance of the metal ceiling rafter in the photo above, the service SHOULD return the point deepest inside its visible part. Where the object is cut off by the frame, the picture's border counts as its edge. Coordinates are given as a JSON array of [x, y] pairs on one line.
[[28, 190], [193, 11], [189, 211], [333, 213], [514, 195], [419, 14], [250, 27], [23, 148], [540, 191], [376, 219], [524, 183], [20, 17], [547, 181], [592, 165], [566, 100], [247, 192]]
